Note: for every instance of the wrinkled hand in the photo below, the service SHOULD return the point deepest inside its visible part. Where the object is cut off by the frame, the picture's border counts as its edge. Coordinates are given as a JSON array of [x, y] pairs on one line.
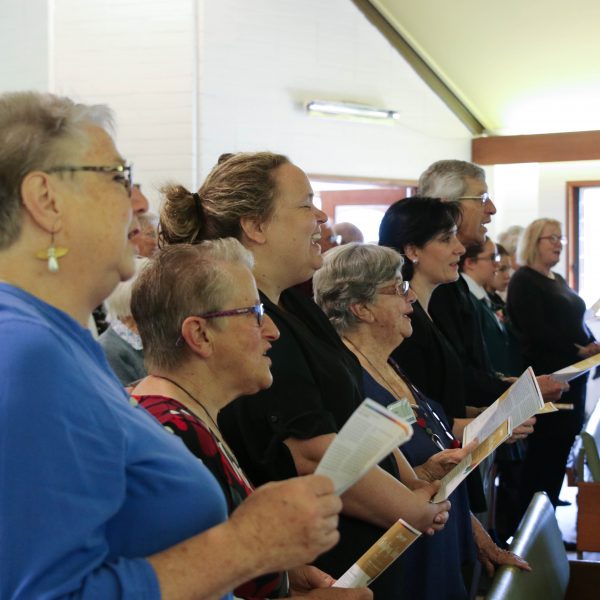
[[292, 521], [551, 388], [522, 431], [434, 515], [589, 350], [306, 578], [309, 582], [490, 555], [439, 464], [339, 594]]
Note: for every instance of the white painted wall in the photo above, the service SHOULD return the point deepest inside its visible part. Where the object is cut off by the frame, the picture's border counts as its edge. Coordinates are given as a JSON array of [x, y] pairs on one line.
[[139, 57], [24, 45], [190, 79], [261, 60], [524, 192]]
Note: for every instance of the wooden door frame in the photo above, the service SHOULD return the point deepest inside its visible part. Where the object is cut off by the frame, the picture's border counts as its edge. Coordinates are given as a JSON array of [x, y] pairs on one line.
[[573, 188]]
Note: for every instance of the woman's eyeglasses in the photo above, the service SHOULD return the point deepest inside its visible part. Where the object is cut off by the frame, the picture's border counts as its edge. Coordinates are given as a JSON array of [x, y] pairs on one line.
[[554, 239], [122, 173], [400, 288], [258, 310], [495, 258]]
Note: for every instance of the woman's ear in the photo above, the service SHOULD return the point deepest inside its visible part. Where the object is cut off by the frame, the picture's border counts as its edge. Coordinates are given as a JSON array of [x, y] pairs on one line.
[[43, 206], [362, 312], [254, 229], [411, 252], [198, 336]]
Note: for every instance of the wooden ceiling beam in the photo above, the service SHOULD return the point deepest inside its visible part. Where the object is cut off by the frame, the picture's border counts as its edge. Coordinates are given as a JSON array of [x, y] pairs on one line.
[[546, 147]]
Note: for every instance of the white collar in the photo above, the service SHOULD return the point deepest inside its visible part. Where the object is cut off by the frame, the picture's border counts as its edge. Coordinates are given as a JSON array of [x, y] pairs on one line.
[[477, 290]]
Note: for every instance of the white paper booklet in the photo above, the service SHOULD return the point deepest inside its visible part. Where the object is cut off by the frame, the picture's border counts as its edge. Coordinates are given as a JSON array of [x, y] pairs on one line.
[[521, 401], [379, 556], [368, 436], [577, 369], [458, 474]]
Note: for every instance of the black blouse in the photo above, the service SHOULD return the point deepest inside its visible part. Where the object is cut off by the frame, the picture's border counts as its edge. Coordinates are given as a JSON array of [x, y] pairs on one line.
[[548, 315], [431, 364]]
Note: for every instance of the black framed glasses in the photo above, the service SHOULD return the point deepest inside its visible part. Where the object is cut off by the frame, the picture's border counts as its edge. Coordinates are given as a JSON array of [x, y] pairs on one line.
[[495, 258], [554, 239], [483, 199], [122, 173], [258, 310], [400, 288]]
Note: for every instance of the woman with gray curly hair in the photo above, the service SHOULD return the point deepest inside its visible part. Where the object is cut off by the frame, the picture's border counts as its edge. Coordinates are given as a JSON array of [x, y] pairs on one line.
[[361, 289]]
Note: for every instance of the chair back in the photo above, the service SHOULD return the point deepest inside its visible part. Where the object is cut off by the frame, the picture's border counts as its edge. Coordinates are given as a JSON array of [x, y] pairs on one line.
[[590, 438], [539, 541]]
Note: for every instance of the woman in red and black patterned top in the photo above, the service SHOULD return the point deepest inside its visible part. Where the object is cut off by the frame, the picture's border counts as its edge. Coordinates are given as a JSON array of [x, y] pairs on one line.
[[206, 339]]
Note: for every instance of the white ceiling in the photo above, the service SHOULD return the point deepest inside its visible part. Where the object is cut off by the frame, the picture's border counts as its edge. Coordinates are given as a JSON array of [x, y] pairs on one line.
[[520, 66]]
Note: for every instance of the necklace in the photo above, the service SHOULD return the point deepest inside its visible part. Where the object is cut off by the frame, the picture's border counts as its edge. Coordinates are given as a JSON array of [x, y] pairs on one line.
[[421, 407], [387, 383], [190, 396], [216, 433]]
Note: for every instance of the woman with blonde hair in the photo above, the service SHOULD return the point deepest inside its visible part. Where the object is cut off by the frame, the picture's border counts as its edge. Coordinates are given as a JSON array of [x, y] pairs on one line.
[[549, 318]]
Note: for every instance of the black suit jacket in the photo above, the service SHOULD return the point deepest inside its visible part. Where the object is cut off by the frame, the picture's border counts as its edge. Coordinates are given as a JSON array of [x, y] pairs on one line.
[[455, 312]]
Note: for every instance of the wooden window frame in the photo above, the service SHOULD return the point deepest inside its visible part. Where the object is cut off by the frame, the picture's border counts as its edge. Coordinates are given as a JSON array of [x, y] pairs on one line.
[[573, 191]]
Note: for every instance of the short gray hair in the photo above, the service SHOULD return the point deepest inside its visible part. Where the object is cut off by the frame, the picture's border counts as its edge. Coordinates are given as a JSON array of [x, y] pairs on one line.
[[37, 131], [180, 281], [446, 179], [527, 248], [350, 275], [118, 304]]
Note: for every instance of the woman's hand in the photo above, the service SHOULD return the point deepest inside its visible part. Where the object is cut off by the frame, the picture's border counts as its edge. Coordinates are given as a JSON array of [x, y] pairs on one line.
[[490, 554], [306, 578], [435, 515], [309, 582], [296, 520], [588, 350], [522, 431], [441, 463]]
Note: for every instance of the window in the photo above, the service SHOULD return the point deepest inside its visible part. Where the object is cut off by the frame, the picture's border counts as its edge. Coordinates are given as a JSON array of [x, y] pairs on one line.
[[583, 250]]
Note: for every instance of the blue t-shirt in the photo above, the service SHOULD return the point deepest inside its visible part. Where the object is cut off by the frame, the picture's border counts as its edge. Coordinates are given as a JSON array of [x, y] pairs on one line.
[[89, 484]]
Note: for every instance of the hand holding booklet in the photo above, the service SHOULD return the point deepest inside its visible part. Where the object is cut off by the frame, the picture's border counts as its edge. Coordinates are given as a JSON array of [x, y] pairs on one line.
[[379, 556], [577, 369], [367, 437], [493, 426]]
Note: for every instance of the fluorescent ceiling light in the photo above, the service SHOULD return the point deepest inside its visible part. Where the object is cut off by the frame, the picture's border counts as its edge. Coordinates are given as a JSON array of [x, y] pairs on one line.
[[350, 110]]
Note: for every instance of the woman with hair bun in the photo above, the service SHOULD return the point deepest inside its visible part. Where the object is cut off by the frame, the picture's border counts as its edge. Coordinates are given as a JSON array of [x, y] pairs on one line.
[[266, 202]]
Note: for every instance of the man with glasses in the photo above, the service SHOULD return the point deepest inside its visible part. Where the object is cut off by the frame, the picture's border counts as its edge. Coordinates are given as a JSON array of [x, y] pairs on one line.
[[452, 307]]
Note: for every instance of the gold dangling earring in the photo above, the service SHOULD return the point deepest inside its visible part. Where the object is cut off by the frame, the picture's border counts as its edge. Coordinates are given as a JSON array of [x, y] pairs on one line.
[[52, 254]]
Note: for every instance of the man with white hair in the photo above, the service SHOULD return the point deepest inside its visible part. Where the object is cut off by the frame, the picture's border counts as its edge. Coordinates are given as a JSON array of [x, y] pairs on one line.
[[452, 307]]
